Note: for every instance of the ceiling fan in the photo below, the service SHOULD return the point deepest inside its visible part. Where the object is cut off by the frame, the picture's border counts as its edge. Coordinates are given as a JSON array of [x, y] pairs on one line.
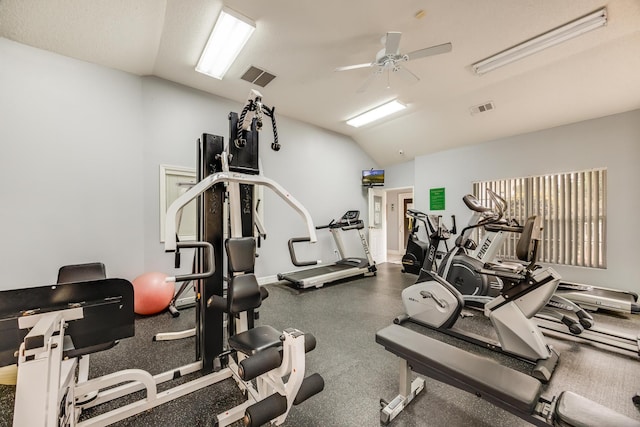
[[390, 59]]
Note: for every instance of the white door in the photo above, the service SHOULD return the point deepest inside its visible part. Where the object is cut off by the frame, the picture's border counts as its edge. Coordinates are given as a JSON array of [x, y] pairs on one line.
[[378, 225]]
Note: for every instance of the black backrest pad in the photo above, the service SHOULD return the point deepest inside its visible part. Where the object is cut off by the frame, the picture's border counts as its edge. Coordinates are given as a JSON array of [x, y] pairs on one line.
[[241, 252], [483, 376], [524, 247], [243, 293], [107, 307], [81, 272]]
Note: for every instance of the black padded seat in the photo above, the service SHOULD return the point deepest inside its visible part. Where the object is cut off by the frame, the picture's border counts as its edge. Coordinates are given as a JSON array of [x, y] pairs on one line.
[[578, 411], [479, 375], [255, 339]]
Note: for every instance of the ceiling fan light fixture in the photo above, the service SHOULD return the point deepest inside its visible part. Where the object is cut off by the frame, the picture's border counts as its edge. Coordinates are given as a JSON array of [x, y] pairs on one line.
[[228, 37], [377, 113], [551, 38]]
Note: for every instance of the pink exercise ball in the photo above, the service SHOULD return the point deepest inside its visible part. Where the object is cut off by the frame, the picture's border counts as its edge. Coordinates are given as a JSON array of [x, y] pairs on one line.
[[151, 293]]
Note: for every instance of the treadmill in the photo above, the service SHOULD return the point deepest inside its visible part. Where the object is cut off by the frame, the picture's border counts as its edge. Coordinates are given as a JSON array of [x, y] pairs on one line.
[[596, 298], [346, 267]]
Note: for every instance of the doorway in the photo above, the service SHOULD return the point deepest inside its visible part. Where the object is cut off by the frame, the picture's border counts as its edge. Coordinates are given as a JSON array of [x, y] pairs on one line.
[[389, 233]]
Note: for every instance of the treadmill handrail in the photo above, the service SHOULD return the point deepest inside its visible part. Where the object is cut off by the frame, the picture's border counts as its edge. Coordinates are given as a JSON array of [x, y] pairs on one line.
[[292, 252], [210, 181], [358, 226]]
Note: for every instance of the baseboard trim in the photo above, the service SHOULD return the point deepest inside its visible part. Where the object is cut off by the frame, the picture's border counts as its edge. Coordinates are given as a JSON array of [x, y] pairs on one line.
[[266, 280]]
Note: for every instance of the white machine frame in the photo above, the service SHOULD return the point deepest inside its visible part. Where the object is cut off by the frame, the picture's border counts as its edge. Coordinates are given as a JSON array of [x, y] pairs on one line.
[[58, 388]]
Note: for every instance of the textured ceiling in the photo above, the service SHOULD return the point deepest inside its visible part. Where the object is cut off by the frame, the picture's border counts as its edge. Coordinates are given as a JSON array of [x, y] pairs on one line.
[[302, 42]]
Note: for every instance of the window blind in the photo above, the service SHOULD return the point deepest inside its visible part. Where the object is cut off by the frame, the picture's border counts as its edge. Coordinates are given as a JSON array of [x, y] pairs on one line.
[[572, 207]]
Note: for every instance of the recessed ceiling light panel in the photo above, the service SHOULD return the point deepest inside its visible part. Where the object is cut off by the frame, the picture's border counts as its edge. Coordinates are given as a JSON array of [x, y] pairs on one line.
[[229, 36], [376, 114]]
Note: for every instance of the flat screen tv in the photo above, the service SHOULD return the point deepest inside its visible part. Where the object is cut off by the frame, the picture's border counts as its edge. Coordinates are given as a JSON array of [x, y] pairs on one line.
[[373, 177]]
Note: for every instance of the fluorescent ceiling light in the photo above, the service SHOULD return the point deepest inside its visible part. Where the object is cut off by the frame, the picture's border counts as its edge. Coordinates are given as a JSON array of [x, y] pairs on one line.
[[376, 114], [551, 38], [229, 35]]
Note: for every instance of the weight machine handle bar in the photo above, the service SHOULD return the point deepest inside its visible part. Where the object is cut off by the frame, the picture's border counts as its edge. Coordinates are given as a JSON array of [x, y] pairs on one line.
[[211, 268], [232, 177], [292, 252]]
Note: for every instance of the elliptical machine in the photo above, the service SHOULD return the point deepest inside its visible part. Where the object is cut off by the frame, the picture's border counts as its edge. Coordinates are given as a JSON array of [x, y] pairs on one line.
[[434, 302], [464, 266], [468, 268], [461, 266], [418, 250]]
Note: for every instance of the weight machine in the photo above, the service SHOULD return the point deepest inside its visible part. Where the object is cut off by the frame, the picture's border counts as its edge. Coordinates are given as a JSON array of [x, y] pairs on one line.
[[55, 326]]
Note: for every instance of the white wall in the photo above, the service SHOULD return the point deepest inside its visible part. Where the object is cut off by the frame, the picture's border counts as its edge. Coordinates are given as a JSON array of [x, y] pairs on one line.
[[612, 142], [81, 149], [70, 166], [400, 175]]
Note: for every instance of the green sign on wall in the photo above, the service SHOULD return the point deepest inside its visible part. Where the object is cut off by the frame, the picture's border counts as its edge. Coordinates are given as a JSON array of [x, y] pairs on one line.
[[436, 199]]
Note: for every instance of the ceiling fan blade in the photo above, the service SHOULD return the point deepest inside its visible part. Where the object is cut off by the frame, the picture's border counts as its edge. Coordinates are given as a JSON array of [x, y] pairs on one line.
[[408, 75], [392, 43], [354, 67], [429, 51], [367, 82]]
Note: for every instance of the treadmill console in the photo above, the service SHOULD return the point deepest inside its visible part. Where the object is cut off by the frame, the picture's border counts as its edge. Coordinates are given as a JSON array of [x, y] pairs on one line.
[[350, 217]]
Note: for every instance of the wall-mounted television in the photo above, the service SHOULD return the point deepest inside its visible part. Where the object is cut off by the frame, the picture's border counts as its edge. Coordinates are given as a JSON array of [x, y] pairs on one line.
[[373, 177]]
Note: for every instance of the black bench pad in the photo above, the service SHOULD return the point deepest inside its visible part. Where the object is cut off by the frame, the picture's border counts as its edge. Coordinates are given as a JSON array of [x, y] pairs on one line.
[[255, 339], [484, 377], [577, 411]]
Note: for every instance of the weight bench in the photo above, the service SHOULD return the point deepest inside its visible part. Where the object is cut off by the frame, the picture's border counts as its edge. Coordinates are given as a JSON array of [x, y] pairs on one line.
[[511, 390]]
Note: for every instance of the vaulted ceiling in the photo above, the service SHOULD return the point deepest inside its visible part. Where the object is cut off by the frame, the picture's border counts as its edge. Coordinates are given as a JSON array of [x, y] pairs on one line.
[[302, 42]]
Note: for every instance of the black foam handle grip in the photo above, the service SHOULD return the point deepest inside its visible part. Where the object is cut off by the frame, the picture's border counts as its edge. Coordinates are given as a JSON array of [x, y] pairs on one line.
[[309, 342], [292, 252], [259, 363], [311, 385], [265, 410]]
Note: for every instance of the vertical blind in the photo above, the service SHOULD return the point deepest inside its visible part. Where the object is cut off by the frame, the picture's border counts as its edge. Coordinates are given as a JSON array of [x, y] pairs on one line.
[[573, 209]]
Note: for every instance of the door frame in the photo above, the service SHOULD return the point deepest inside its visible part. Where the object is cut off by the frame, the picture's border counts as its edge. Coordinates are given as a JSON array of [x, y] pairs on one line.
[[402, 234], [402, 190]]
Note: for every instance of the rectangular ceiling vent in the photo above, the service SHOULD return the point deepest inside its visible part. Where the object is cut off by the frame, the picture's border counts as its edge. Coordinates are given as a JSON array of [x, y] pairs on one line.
[[257, 76], [482, 108]]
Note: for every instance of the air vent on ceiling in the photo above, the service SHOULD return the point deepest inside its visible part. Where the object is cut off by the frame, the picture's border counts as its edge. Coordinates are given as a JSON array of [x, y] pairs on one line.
[[257, 76], [482, 108]]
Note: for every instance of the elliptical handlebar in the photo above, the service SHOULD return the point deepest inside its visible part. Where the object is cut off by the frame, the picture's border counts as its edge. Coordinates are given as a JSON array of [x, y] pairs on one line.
[[486, 214], [432, 226], [499, 202]]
